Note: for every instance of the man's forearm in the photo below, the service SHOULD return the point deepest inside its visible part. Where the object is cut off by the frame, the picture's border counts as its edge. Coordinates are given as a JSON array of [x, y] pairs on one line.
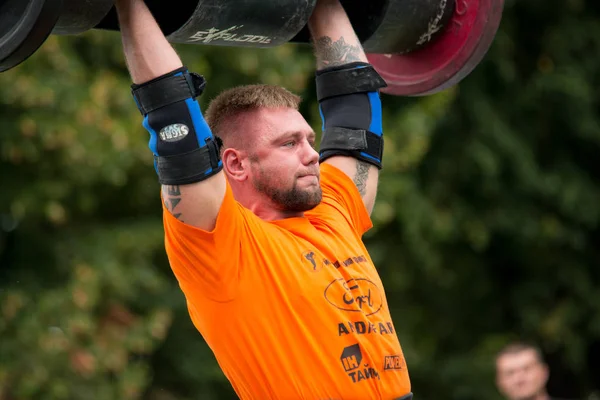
[[190, 171], [335, 41], [336, 45], [147, 51]]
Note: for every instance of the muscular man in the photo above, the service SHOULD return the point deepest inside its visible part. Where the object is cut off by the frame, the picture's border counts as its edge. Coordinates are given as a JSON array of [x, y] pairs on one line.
[[262, 231]]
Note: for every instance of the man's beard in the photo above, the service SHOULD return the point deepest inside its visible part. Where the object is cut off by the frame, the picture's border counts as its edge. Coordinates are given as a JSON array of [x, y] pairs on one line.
[[294, 199]]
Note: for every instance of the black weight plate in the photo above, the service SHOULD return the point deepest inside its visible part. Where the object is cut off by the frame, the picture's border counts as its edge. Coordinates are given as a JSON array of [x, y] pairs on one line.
[[408, 25], [24, 27], [79, 16], [169, 17], [254, 23], [365, 16]]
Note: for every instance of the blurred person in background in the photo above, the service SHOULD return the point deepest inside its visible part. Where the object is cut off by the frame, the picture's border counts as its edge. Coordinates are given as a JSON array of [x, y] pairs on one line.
[[521, 373]]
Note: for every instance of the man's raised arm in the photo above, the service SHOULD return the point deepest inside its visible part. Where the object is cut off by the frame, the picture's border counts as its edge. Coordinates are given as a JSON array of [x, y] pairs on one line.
[[186, 154], [347, 89]]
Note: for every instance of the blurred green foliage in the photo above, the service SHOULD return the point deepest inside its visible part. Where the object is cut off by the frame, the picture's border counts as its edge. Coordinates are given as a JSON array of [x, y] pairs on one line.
[[486, 226]]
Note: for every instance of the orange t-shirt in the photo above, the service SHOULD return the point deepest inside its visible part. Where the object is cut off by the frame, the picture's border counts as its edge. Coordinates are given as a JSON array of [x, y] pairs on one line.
[[294, 308]]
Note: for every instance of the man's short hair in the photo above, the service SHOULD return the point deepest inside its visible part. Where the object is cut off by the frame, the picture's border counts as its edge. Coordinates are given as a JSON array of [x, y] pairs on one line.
[[518, 347], [224, 109]]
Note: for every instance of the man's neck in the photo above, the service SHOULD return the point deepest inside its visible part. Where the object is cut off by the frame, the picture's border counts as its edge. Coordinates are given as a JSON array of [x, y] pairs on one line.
[[273, 214], [262, 206]]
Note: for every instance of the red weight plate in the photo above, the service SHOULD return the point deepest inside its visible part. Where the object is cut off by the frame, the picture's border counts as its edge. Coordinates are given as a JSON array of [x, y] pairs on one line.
[[449, 58]]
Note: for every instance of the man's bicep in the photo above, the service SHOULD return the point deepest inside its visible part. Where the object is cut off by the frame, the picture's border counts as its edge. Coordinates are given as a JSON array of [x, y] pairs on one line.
[[364, 175], [198, 267], [341, 198], [196, 204], [207, 260]]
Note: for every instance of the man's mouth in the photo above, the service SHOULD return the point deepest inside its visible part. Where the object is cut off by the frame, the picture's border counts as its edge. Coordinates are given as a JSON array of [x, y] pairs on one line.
[[309, 177]]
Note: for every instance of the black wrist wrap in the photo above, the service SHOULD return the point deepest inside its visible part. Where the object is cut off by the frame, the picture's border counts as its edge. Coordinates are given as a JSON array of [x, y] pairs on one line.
[[351, 109], [185, 151]]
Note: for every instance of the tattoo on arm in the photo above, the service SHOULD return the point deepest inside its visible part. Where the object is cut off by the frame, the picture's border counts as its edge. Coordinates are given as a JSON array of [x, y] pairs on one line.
[[361, 177], [330, 53], [172, 197]]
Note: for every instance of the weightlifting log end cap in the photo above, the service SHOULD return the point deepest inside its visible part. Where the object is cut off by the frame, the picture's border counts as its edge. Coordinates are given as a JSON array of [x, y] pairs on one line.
[[448, 58]]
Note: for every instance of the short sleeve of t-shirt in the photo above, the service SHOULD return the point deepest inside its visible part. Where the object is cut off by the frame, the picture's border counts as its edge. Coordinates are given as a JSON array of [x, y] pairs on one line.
[[209, 261], [341, 203]]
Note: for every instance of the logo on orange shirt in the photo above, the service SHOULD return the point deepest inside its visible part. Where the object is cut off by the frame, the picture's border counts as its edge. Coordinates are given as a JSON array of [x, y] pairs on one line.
[[315, 261], [354, 295], [365, 328], [351, 357], [393, 362], [351, 361]]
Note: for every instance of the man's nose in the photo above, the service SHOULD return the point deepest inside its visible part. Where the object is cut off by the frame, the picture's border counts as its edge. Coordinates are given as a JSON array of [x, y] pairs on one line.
[[311, 155]]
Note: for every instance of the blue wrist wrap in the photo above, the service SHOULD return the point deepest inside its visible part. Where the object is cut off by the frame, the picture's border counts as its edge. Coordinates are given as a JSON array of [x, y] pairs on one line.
[[185, 150], [350, 109]]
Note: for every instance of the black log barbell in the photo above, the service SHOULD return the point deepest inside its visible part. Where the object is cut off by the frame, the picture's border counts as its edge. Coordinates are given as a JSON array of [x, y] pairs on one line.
[[418, 46]]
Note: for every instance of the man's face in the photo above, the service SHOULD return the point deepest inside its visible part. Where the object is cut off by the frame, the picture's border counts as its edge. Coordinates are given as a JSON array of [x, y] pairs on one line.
[[521, 376], [284, 163]]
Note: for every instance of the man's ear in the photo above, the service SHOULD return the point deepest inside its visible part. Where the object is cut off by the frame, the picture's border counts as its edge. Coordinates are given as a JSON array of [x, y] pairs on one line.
[[545, 372], [234, 164]]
